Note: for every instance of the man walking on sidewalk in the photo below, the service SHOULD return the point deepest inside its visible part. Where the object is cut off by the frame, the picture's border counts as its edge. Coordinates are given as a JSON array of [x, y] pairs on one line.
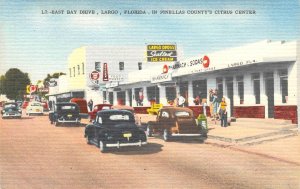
[[223, 113]]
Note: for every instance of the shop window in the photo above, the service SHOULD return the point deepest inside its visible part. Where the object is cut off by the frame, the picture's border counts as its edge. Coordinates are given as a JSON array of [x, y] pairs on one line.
[[240, 86], [219, 82], [256, 87], [171, 94], [70, 72], [82, 67], [121, 98], [78, 69], [283, 75], [98, 66], [74, 71], [199, 91], [153, 94], [140, 66], [139, 96], [111, 97], [121, 65], [104, 96]]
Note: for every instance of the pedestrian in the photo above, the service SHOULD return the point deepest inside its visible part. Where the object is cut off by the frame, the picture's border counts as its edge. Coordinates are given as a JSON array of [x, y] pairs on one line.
[[211, 106], [223, 112], [141, 97], [197, 100], [181, 100], [90, 105]]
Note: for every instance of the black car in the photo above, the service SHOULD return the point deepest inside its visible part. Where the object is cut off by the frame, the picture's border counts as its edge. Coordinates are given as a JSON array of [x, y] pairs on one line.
[[11, 110], [65, 112], [114, 128]]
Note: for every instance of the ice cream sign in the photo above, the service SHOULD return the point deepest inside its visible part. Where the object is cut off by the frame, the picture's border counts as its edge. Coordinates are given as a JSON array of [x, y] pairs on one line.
[[203, 62]]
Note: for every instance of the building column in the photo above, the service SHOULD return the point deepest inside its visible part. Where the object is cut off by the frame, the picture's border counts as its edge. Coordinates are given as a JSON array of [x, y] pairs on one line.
[[277, 92], [162, 95], [127, 97], [145, 101], [190, 93], [115, 100], [263, 96], [236, 98]]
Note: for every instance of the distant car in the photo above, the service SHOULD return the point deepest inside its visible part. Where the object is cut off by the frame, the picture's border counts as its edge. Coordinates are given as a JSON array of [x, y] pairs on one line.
[[98, 107], [65, 112], [114, 128], [25, 104], [82, 104], [11, 110], [34, 108], [45, 106], [174, 121]]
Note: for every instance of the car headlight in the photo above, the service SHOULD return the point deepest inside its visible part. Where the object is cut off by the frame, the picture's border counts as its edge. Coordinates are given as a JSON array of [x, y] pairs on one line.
[[3, 111], [20, 110]]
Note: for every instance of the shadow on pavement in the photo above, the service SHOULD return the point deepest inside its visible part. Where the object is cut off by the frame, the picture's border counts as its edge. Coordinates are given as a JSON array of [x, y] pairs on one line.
[[150, 148]]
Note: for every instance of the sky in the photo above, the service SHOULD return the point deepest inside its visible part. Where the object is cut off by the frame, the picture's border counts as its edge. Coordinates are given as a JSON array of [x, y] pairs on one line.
[[40, 44]]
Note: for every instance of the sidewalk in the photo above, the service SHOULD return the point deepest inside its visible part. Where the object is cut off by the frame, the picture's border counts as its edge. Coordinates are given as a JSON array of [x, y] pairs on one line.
[[277, 139]]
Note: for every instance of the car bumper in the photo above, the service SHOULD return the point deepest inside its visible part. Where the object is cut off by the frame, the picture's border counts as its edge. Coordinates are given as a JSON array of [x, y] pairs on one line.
[[11, 115], [68, 121], [118, 144]]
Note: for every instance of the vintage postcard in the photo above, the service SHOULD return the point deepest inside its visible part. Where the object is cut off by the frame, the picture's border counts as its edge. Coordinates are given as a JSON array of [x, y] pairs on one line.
[[149, 94]]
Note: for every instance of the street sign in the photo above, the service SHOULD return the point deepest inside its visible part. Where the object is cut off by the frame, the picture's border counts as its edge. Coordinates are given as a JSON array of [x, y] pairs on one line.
[[94, 76]]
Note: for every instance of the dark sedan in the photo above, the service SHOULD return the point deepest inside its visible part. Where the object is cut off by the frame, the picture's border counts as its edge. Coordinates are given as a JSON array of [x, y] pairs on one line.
[[11, 110], [114, 128], [65, 112]]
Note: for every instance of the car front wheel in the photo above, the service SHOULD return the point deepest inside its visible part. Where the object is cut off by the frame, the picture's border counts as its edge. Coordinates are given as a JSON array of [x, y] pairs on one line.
[[102, 146], [88, 139], [56, 123], [166, 135], [149, 131]]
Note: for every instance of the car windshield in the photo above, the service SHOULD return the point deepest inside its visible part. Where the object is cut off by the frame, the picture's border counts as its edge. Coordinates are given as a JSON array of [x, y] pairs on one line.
[[182, 114], [116, 118], [66, 107], [35, 104], [10, 106]]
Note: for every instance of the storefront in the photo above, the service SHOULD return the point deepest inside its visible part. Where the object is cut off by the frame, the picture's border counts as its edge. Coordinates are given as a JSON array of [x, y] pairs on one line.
[[257, 80]]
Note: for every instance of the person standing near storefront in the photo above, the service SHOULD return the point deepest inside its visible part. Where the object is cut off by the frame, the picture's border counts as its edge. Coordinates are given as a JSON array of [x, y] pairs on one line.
[[181, 101], [223, 112], [211, 97], [215, 103], [90, 105]]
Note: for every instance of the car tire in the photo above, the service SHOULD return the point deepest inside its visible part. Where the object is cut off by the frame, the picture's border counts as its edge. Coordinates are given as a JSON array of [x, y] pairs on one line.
[[56, 123], [166, 135], [149, 131], [88, 139], [102, 146]]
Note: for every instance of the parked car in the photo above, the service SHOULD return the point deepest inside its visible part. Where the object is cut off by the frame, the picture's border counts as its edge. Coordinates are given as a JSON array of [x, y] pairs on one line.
[[11, 110], [98, 107], [34, 108], [82, 104], [25, 104], [114, 128], [65, 112], [174, 121], [45, 106]]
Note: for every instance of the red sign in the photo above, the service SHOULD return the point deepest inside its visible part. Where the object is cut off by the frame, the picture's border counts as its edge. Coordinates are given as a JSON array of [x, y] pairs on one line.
[[206, 61], [165, 69], [105, 72], [95, 75], [32, 88]]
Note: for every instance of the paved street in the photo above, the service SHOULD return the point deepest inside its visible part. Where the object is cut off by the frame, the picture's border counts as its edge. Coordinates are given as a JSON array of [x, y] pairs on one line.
[[35, 154]]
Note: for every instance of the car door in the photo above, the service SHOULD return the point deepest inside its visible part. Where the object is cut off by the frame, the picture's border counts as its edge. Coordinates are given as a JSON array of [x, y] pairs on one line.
[[164, 120]]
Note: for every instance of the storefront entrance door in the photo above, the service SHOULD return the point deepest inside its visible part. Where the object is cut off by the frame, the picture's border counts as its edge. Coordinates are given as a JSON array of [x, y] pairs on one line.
[[269, 86]]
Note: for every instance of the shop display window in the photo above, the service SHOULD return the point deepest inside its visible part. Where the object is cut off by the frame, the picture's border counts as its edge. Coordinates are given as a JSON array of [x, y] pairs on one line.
[[283, 75], [256, 87]]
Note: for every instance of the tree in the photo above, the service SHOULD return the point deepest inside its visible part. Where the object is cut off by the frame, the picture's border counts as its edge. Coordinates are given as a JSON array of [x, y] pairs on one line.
[[54, 75], [2, 78], [14, 83]]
